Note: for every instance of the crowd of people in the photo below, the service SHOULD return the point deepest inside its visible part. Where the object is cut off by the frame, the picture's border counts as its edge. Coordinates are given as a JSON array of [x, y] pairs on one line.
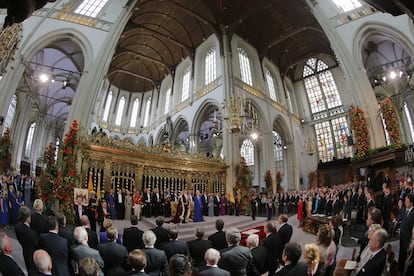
[[52, 248]]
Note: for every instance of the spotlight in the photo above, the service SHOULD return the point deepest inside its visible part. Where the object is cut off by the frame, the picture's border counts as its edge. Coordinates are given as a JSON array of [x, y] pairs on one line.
[[393, 75], [254, 135], [43, 78]]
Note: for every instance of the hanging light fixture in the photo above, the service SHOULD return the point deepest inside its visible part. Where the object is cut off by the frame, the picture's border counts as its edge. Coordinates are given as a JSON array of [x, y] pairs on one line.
[[241, 117]]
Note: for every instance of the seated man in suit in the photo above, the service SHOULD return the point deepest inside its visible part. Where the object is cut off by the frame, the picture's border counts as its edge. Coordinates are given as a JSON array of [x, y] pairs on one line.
[[211, 258], [373, 262], [291, 255], [43, 262], [235, 258], [8, 265]]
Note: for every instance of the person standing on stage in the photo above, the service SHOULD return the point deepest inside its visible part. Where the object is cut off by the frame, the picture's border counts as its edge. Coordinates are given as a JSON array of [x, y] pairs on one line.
[[137, 201], [110, 200], [198, 207], [253, 205]]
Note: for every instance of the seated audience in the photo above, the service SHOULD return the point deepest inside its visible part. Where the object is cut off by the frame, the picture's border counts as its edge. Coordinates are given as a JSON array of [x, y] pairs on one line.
[[373, 262]]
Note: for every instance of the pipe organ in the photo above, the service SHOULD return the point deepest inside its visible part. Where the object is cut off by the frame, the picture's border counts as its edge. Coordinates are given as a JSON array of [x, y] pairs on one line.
[[118, 164]]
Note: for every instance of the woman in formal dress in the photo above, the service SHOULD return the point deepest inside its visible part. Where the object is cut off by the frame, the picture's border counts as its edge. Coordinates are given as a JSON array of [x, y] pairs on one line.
[[300, 211], [223, 205], [128, 205], [210, 205], [137, 204], [4, 215], [198, 208], [312, 259], [13, 206]]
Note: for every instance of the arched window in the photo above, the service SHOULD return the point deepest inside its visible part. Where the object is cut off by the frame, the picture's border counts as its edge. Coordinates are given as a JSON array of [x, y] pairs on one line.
[[210, 72], [107, 106], [278, 152], [246, 73], [10, 113], [186, 85], [29, 139], [247, 151], [331, 126], [410, 122], [147, 112], [347, 5], [134, 115], [90, 7], [167, 101], [120, 111], [270, 85]]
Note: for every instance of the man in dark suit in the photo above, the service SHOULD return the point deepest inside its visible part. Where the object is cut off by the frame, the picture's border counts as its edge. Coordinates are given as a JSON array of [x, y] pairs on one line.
[[160, 232], [137, 260], [198, 248], [291, 255], [374, 217], [43, 263], [369, 203], [157, 263], [406, 230], [235, 258], [56, 247], [205, 203], [386, 207], [64, 231], [114, 255], [336, 205], [27, 237], [92, 236], [254, 204], [285, 229], [38, 221], [174, 246], [132, 237], [146, 198], [82, 249], [8, 265], [373, 263], [79, 210], [212, 257], [258, 265], [218, 239], [273, 244], [120, 204]]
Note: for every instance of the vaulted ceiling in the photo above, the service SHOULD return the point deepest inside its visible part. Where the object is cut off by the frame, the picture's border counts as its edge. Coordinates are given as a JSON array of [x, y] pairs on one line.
[[161, 33]]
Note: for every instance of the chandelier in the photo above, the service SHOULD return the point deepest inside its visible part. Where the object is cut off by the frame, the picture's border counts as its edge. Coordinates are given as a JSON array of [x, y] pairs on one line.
[[240, 117]]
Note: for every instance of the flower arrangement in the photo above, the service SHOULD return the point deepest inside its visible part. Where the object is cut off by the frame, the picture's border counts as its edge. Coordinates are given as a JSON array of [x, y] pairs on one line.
[[66, 176], [47, 184], [243, 184], [279, 178], [58, 179], [268, 180], [359, 127], [5, 145], [391, 122]]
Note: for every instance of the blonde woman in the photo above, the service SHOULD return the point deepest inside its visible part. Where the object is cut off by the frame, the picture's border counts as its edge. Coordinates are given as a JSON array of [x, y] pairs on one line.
[[327, 247], [39, 221], [312, 259]]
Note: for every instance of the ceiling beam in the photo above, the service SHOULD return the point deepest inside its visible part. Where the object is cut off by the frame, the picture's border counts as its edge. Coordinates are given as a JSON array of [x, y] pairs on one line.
[[122, 71], [135, 54], [290, 35]]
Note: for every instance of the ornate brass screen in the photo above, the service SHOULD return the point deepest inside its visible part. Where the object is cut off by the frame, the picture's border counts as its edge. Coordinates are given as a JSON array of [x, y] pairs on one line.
[[109, 163]]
